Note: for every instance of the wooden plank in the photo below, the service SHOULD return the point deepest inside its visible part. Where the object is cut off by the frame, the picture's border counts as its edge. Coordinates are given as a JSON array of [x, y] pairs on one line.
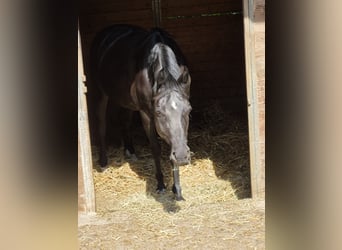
[[231, 104], [210, 66], [91, 26], [191, 3], [196, 22], [118, 16], [259, 11], [96, 7], [224, 91], [208, 33], [104, 2], [95, 15], [202, 10], [86, 202], [254, 45], [216, 79]]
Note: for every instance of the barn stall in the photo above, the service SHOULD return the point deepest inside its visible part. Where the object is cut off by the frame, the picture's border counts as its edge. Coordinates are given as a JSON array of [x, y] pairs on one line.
[[224, 44]]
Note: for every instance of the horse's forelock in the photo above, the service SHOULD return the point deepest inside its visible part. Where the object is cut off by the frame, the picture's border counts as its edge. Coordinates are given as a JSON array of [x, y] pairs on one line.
[[162, 57], [167, 92], [170, 61]]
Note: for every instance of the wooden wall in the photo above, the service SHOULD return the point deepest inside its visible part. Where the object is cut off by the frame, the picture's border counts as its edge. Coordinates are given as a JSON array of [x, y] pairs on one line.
[[98, 14], [210, 33]]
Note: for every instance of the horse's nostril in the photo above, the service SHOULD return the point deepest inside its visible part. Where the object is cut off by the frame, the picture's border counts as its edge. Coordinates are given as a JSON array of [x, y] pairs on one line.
[[174, 153]]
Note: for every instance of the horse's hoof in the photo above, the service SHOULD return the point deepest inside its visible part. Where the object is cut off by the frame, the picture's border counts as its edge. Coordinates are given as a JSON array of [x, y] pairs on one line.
[[174, 190], [130, 155], [179, 198], [178, 195], [133, 157], [102, 169], [103, 162], [161, 190]]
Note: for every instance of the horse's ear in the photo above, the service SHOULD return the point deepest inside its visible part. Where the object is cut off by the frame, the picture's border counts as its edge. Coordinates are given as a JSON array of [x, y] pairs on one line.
[[185, 76]]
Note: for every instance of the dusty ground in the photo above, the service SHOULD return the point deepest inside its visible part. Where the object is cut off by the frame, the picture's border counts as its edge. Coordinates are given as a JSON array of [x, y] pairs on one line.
[[217, 213]]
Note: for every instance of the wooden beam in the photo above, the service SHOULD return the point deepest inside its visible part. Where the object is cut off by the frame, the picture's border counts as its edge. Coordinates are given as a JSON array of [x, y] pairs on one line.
[[157, 15], [255, 82], [86, 196]]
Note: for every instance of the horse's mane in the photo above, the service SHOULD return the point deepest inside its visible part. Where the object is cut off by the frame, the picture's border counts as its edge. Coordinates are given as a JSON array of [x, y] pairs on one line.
[[107, 37], [159, 47], [158, 35]]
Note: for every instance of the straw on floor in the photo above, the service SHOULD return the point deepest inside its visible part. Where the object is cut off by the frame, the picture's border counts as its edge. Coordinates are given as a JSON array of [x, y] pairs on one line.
[[218, 212]]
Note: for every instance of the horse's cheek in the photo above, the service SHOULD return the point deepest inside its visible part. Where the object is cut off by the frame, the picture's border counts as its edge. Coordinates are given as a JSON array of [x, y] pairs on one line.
[[161, 128]]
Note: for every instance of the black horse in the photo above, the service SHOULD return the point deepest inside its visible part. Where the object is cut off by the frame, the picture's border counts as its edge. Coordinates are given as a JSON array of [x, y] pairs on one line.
[[144, 71]]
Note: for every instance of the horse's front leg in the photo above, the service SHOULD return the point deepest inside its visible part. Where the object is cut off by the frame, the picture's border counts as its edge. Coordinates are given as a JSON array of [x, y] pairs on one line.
[[155, 147], [176, 188], [129, 151]]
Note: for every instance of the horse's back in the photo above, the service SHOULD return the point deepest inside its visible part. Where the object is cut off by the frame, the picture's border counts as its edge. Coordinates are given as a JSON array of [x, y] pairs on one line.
[[114, 43], [120, 52], [114, 59], [123, 43]]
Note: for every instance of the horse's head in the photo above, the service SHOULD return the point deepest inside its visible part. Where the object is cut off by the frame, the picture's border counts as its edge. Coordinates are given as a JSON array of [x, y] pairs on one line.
[[171, 112]]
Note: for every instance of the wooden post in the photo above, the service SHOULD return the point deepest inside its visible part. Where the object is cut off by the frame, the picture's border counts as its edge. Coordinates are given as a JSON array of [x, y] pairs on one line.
[[254, 29], [86, 196], [157, 15]]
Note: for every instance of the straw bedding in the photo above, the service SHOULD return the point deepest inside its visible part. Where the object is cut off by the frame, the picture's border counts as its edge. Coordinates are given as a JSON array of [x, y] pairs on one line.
[[217, 213]]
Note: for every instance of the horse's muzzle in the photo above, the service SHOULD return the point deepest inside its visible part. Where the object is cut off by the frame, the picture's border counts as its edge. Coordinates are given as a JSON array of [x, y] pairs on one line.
[[181, 156]]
